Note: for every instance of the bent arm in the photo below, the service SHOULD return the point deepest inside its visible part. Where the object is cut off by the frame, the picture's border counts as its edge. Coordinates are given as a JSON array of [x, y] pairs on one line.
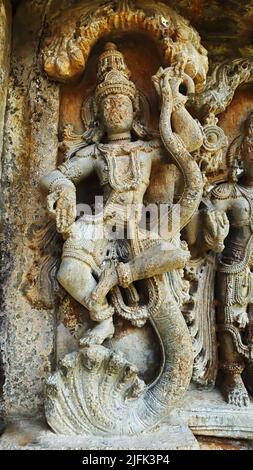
[[209, 227], [216, 225], [70, 172]]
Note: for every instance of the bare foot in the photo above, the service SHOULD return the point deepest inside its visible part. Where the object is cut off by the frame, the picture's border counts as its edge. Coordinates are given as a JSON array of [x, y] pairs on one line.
[[234, 390], [107, 281], [98, 334]]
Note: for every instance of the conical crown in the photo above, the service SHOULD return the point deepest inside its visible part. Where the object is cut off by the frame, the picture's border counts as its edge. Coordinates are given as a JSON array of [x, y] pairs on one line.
[[111, 59], [113, 75]]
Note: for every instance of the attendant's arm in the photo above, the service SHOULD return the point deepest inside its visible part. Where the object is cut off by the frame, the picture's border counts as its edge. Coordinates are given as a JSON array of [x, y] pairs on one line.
[[216, 225], [181, 122], [208, 227]]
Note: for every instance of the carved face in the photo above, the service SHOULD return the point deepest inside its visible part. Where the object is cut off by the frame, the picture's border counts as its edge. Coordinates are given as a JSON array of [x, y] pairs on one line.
[[116, 112]]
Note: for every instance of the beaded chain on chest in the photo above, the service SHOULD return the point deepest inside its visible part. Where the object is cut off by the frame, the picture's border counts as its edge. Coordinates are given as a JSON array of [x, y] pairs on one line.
[[117, 178]]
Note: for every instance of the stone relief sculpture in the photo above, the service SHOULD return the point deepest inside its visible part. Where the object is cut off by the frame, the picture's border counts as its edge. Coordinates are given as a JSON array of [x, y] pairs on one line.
[[96, 391], [221, 85], [233, 202], [225, 215], [126, 327], [199, 310], [123, 167]]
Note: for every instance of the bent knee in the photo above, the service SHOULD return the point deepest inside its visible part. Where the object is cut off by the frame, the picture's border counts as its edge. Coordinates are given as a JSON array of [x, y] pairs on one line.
[[72, 272]]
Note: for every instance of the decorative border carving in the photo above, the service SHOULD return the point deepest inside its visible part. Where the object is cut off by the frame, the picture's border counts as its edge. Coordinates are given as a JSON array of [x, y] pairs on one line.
[[74, 32]]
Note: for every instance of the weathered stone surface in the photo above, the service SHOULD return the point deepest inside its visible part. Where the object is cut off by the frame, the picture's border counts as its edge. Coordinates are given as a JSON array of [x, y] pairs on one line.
[[225, 27], [40, 324], [34, 435], [207, 414], [211, 443], [82, 379], [5, 46], [30, 146]]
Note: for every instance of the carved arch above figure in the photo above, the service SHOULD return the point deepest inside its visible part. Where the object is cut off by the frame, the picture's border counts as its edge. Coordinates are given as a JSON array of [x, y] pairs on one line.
[[75, 30]]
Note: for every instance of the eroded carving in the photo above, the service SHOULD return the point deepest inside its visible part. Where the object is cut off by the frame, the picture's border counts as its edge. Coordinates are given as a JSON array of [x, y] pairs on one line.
[[233, 202], [91, 268], [40, 285], [221, 86], [199, 312], [119, 146], [73, 34]]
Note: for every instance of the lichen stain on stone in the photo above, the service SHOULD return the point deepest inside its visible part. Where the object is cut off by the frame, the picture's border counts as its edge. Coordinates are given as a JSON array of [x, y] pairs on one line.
[[72, 313], [29, 333]]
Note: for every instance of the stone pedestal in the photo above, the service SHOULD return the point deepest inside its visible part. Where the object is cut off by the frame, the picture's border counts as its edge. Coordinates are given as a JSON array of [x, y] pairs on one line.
[[35, 435], [199, 415], [207, 414]]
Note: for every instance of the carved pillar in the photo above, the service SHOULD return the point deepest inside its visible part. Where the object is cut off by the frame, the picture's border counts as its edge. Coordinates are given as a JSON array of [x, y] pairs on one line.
[[5, 44], [30, 149]]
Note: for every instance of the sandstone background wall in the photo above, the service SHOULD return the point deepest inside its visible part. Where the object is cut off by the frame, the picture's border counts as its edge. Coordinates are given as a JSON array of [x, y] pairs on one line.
[[29, 150]]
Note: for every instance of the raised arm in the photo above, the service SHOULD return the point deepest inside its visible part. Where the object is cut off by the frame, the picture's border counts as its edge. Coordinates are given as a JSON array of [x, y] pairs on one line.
[[182, 123], [167, 83], [209, 226], [60, 186]]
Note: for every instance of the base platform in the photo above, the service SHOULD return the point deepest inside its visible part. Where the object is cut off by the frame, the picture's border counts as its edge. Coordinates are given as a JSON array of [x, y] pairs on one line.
[[201, 413], [207, 414]]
